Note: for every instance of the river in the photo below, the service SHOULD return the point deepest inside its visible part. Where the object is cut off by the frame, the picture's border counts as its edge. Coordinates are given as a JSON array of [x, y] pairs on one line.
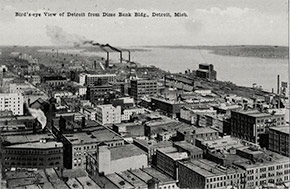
[[242, 71]]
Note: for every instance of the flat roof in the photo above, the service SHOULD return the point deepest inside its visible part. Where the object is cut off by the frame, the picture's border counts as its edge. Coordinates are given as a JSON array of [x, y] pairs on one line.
[[30, 138], [187, 146], [153, 143], [156, 174], [257, 113], [167, 100], [208, 168], [282, 129], [101, 134], [73, 183], [129, 124], [119, 181], [169, 149], [132, 179], [37, 145], [88, 183], [124, 151], [202, 130]]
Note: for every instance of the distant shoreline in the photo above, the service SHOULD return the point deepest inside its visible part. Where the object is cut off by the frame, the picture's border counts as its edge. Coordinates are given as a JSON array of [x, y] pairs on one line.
[[258, 51]]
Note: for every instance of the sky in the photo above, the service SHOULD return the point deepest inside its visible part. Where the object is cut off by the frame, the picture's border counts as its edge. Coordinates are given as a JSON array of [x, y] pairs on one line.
[[209, 22]]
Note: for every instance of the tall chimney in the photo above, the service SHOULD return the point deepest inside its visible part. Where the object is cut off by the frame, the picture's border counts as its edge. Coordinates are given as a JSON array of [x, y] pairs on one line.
[[107, 61], [121, 57], [129, 56], [278, 84]]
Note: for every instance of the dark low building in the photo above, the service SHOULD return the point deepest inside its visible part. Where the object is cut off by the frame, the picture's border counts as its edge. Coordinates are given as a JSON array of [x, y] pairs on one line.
[[206, 71], [96, 94], [169, 107], [143, 87], [29, 153], [54, 80]]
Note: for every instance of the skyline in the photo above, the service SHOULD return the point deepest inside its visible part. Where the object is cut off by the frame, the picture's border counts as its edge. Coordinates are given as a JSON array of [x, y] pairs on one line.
[[209, 22]]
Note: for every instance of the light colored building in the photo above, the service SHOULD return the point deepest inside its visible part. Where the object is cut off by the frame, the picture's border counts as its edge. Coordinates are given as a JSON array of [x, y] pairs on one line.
[[13, 102], [116, 159], [90, 113], [19, 87], [127, 113], [108, 114], [190, 115], [79, 144], [87, 79]]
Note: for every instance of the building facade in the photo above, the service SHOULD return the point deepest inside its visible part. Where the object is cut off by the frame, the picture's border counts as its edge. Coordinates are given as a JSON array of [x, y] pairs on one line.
[[253, 125], [40, 154], [279, 140], [12, 102], [96, 93], [88, 79], [142, 87], [108, 114]]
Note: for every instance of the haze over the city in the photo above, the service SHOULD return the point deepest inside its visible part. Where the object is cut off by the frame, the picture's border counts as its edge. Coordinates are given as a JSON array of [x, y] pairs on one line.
[[224, 22]]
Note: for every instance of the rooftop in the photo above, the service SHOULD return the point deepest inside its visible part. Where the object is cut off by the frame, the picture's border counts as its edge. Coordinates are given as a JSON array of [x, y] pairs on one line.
[[208, 168], [132, 179], [119, 181], [100, 134], [156, 174], [88, 183], [264, 157], [153, 143], [257, 113], [187, 146], [19, 139], [282, 129], [37, 145], [124, 151]]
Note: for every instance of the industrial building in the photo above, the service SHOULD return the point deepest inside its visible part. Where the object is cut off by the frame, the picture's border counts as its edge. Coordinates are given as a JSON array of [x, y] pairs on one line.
[[206, 71], [253, 125], [88, 79], [143, 87]]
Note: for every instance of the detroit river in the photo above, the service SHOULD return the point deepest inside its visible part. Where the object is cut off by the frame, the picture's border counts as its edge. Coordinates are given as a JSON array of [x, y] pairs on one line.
[[240, 70]]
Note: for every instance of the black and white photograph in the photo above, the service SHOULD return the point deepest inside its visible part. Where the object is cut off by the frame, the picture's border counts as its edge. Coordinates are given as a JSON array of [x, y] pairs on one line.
[[144, 94]]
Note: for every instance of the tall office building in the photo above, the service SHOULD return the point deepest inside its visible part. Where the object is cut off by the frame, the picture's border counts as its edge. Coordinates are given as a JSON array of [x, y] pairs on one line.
[[12, 102], [142, 87]]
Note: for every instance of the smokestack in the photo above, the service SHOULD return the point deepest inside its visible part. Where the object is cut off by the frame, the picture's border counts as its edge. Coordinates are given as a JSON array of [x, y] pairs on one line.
[[278, 84], [107, 61], [121, 57], [62, 124], [34, 129], [129, 56], [83, 122], [95, 64], [56, 53]]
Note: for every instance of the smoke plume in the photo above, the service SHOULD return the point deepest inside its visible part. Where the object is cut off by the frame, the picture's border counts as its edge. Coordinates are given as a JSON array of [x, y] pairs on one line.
[[60, 37], [39, 115]]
